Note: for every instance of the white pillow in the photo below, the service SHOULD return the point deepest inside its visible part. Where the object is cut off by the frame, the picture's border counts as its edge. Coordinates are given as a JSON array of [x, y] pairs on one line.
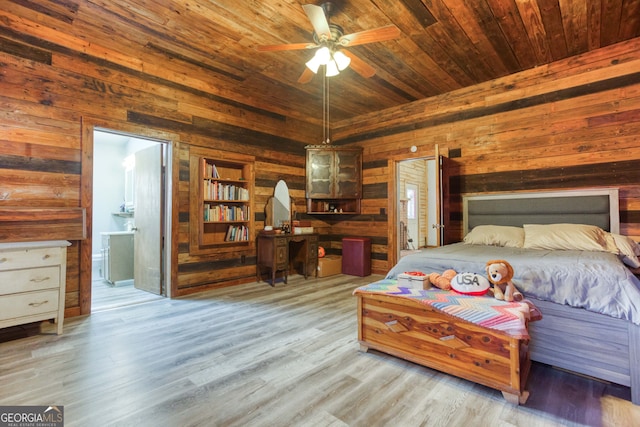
[[496, 235], [628, 250], [577, 237]]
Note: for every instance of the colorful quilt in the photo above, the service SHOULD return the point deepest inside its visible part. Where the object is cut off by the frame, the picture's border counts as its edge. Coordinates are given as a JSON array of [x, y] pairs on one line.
[[488, 312]]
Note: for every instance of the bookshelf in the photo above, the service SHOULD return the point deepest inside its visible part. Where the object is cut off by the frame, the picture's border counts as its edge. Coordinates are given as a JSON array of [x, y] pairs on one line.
[[221, 206]]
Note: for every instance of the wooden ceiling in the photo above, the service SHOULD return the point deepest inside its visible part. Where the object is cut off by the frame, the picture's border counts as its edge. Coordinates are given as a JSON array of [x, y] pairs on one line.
[[444, 44]]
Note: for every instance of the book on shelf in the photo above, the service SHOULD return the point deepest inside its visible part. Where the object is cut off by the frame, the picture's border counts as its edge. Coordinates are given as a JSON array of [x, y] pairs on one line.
[[214, 190], [237, 233], [218, 213], [209, 170]]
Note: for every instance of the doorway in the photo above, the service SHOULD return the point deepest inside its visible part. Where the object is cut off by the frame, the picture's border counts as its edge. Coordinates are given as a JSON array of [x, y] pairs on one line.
[[412, 195], [412, 186], [128, 217], [422, 195]]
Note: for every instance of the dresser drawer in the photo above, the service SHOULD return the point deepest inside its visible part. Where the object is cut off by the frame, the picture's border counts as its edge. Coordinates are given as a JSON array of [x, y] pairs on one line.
[[29, 258], [28, 304], [14, 281]]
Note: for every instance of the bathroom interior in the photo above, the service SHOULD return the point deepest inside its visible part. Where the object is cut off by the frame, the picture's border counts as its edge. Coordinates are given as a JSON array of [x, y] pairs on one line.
[[114, 219]]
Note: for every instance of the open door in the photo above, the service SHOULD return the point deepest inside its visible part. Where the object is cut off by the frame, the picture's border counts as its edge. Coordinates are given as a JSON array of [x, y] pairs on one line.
[[434, 173], [440, 187], [149, 213]]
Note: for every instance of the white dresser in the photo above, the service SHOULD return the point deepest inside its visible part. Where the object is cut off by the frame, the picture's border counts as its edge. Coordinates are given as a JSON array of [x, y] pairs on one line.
[[32, 282]]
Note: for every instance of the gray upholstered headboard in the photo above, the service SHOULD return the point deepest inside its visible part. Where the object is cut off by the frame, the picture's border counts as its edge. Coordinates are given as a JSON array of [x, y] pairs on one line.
[[585, 206]]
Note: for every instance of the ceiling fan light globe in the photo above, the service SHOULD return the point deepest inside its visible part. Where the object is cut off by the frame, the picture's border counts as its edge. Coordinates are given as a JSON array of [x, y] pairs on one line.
[[313, 64], [342, 60], [323, 55], [332, 69]]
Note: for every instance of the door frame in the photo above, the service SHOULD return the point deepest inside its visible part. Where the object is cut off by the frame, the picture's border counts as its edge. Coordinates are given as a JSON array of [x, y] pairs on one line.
[[393, 184], [172, 141], [395, 234]]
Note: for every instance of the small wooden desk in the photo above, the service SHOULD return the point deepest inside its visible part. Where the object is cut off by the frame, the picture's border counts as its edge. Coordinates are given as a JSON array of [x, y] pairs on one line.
[[287, 252]]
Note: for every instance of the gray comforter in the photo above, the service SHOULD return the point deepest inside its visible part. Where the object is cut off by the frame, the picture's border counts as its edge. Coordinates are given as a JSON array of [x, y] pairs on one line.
[[595, 281]]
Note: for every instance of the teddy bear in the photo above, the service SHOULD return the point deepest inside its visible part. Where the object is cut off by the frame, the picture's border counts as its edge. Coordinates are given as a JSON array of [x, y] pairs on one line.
[[442, 281], [500, 273]]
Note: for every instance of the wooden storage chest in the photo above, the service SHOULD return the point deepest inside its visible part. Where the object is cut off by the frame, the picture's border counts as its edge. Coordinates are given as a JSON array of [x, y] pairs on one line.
[[421, 334]]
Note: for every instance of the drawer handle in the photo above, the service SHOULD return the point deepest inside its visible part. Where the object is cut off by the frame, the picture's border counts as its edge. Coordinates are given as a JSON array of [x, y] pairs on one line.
[[38, 304], [3, 260], [40, 279]]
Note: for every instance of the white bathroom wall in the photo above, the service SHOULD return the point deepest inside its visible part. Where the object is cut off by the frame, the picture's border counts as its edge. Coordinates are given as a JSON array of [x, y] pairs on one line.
[[109, 151], [108, 185]]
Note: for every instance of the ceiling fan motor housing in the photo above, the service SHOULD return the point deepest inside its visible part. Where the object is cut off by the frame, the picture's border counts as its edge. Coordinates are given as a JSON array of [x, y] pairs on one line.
[[328, 8], [336, 33]]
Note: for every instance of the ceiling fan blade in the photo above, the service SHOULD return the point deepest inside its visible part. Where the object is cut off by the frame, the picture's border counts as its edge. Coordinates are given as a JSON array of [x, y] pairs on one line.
[[291, 46], [306, 76], [318, 20], [370, 36], [359, 66]]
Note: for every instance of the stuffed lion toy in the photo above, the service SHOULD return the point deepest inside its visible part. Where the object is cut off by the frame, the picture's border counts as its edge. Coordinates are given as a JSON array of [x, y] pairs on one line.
[[500, 273]]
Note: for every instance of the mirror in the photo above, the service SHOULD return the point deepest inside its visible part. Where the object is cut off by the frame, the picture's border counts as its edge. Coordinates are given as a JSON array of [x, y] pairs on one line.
[[278, 208], [129, 183]]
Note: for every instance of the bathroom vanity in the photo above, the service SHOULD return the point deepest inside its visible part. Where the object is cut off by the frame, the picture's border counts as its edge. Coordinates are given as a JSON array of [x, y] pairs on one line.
[[117, 256]]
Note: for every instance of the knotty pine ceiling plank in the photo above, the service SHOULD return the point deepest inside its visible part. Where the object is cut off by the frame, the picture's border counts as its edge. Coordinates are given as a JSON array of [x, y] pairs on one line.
[[629, 21], [574, 18], [426, 59], [470, 25], [534, 28], [611, 15], [491, 30], [63, 11], [420, 12], [458, 41], [594, 25], [510, 22], [443, 50], [552, 21]]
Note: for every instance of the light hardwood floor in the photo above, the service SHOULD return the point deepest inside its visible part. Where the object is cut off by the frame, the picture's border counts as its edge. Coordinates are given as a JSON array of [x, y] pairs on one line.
[[106, 297], [253, 355]]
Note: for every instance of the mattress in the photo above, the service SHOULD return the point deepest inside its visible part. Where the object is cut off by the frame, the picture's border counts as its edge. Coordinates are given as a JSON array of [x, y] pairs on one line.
[[594, 281]]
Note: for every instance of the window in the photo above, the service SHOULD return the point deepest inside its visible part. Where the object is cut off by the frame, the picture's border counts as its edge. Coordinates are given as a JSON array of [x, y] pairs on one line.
[[411, 203]]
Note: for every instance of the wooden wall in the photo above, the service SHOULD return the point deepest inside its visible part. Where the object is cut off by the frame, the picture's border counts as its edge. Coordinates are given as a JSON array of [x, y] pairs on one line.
[[573, 123], [570, 124], [55, 89]]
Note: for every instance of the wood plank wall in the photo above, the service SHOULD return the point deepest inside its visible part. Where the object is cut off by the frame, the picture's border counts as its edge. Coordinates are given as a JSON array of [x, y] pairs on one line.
[[51, 84], [573, 123]]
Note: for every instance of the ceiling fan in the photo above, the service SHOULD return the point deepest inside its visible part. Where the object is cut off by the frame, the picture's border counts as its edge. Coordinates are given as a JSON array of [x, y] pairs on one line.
[[329, 41]]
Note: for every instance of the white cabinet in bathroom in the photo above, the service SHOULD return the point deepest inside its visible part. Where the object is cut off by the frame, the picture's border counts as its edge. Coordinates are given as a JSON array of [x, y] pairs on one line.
[[117, 256], [32, 282]]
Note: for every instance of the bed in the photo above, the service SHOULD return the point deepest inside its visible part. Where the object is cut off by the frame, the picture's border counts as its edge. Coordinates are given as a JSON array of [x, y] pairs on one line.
[[590, 301]]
